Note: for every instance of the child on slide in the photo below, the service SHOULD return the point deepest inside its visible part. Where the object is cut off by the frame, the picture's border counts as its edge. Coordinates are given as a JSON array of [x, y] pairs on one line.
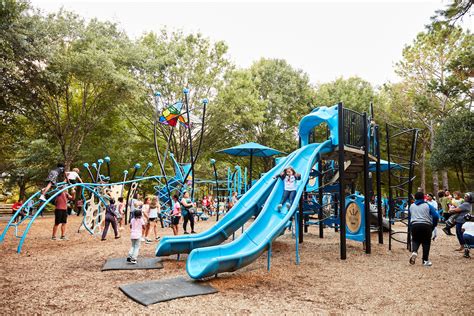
[[289, 177]]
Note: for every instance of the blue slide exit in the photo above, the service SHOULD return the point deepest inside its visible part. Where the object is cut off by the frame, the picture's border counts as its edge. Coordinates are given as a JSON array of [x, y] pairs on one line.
[[203, 262]]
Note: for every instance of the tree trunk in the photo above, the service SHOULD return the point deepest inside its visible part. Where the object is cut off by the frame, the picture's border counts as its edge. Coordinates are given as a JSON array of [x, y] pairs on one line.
[[423, 168], [22, 190], [463, 182], [444, 174], [435, 181]]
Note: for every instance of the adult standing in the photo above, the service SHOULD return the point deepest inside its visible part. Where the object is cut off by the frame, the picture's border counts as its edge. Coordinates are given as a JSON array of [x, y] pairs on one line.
[[422, 219], [15, 207], [60, 214], [187, 212], [110, 219], [463, 209]]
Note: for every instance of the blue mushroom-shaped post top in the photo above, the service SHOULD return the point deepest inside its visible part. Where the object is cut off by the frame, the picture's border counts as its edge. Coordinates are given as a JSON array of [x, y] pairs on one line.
[[86, 165], [213, 161], [149, 165], [125, 172], [185, 90], [137, 166], [107, 159], [100, 161], [205, 101], [157, 94], [94, 165]]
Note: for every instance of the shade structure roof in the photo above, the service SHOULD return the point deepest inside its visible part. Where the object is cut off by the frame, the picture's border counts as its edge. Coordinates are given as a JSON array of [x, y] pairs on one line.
[[251, 149]]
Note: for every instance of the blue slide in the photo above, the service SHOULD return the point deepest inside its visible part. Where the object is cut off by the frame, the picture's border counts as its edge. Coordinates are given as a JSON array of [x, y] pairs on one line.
[[269, 225], [242, 211]]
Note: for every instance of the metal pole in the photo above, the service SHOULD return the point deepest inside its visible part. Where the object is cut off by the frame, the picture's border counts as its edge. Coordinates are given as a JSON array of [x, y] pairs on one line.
[[320, 198], [342, 206], [300, 219], [379, 185], [213, 163], [410, 181], [135, 169], [250, 172], [368, 247], [186, 91], [390, 196]]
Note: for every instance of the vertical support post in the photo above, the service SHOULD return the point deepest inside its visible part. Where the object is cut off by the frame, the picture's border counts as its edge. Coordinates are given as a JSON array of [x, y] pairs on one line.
[[299, 224], [379, 185], [320, 198], [336, 211], [251, 167], [127, 217], [410, 181], [342, 206], [269, 256], [213, 163], [368, 247], [297, 234], [390, 194]]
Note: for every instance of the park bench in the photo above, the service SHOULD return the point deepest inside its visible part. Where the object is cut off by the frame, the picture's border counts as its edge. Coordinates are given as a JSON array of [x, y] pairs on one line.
[[5, 209]]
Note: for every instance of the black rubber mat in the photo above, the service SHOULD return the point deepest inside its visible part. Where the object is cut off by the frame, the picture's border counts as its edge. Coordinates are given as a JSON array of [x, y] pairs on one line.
[[152, 292], [142, 264]]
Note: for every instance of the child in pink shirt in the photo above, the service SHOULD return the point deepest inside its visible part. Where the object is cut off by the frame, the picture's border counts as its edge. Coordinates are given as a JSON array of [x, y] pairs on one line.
[[176, 214], [136, 226]]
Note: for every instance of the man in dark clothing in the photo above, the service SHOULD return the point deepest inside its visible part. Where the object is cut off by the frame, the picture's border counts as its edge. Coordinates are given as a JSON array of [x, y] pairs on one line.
[[422, 219]]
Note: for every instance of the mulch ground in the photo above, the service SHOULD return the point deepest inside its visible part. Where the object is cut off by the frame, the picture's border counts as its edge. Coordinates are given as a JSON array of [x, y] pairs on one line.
[[65, 277]]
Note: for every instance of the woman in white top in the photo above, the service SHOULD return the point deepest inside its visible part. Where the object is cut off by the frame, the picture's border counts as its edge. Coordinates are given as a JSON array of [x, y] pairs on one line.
[[153, 211]]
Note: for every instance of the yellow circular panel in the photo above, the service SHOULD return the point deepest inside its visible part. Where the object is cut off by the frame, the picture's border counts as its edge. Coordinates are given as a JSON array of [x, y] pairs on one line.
[[353, 218]]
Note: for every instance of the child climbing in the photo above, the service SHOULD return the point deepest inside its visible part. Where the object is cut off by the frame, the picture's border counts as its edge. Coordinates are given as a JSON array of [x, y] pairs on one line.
[[56, 175], [289, 177], [136, 226]]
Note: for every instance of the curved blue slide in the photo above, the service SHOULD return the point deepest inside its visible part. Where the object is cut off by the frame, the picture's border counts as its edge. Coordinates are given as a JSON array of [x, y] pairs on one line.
[[203, 262], [242, 211]]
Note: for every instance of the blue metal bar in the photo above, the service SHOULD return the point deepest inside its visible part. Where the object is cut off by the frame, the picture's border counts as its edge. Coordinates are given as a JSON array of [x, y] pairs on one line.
[[269, 256]]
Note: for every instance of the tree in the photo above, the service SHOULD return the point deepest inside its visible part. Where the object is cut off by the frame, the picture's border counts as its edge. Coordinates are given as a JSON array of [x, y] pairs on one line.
[[87, 74], [453, 146], [429, 71], [263, 104], [354, 92], [454, 11]]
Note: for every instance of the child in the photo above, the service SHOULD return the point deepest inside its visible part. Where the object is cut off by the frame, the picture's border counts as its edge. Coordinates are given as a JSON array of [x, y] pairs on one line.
[[119, 212], [73, 177], [176, 214], [289, 177], [60, 214], [110, 218], [136, 226], [456, 201], [52, 179], [153, 212]]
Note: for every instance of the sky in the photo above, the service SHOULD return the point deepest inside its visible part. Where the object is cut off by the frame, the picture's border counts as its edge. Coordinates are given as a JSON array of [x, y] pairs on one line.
[[326, 39]]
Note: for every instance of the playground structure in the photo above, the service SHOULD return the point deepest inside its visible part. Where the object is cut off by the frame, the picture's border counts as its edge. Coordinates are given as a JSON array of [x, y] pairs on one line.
[[352, 142]]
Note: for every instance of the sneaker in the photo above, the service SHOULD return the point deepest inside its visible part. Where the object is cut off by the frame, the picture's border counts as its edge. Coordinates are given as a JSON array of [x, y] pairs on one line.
[[279, 206], [447, 231], [133, 261], [193, 232], [157, 238], [466, 253], [288, 205], [53, 238], [129, 259], [413, 257], [43, 198], [427, 263], [102, 239], [64, 238], [117, 237], [186, 233], [147, 241]]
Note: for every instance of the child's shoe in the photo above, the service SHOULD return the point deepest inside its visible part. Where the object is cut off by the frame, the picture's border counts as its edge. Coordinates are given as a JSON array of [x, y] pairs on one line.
[[413, 257], [279, 206], [133, 261], [466, 253], [64, 238], [147, 241], [427, 263], [186, 233], [129, 259], [157, 238], [53, 238], [42, 198], [288, 205]]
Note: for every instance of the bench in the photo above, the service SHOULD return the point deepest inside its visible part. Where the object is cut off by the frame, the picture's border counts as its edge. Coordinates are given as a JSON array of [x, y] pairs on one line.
[[5, 209]]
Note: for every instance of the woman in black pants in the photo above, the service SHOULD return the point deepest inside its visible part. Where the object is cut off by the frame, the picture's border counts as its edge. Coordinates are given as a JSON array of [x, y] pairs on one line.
[[422, 220], [187, 212]]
